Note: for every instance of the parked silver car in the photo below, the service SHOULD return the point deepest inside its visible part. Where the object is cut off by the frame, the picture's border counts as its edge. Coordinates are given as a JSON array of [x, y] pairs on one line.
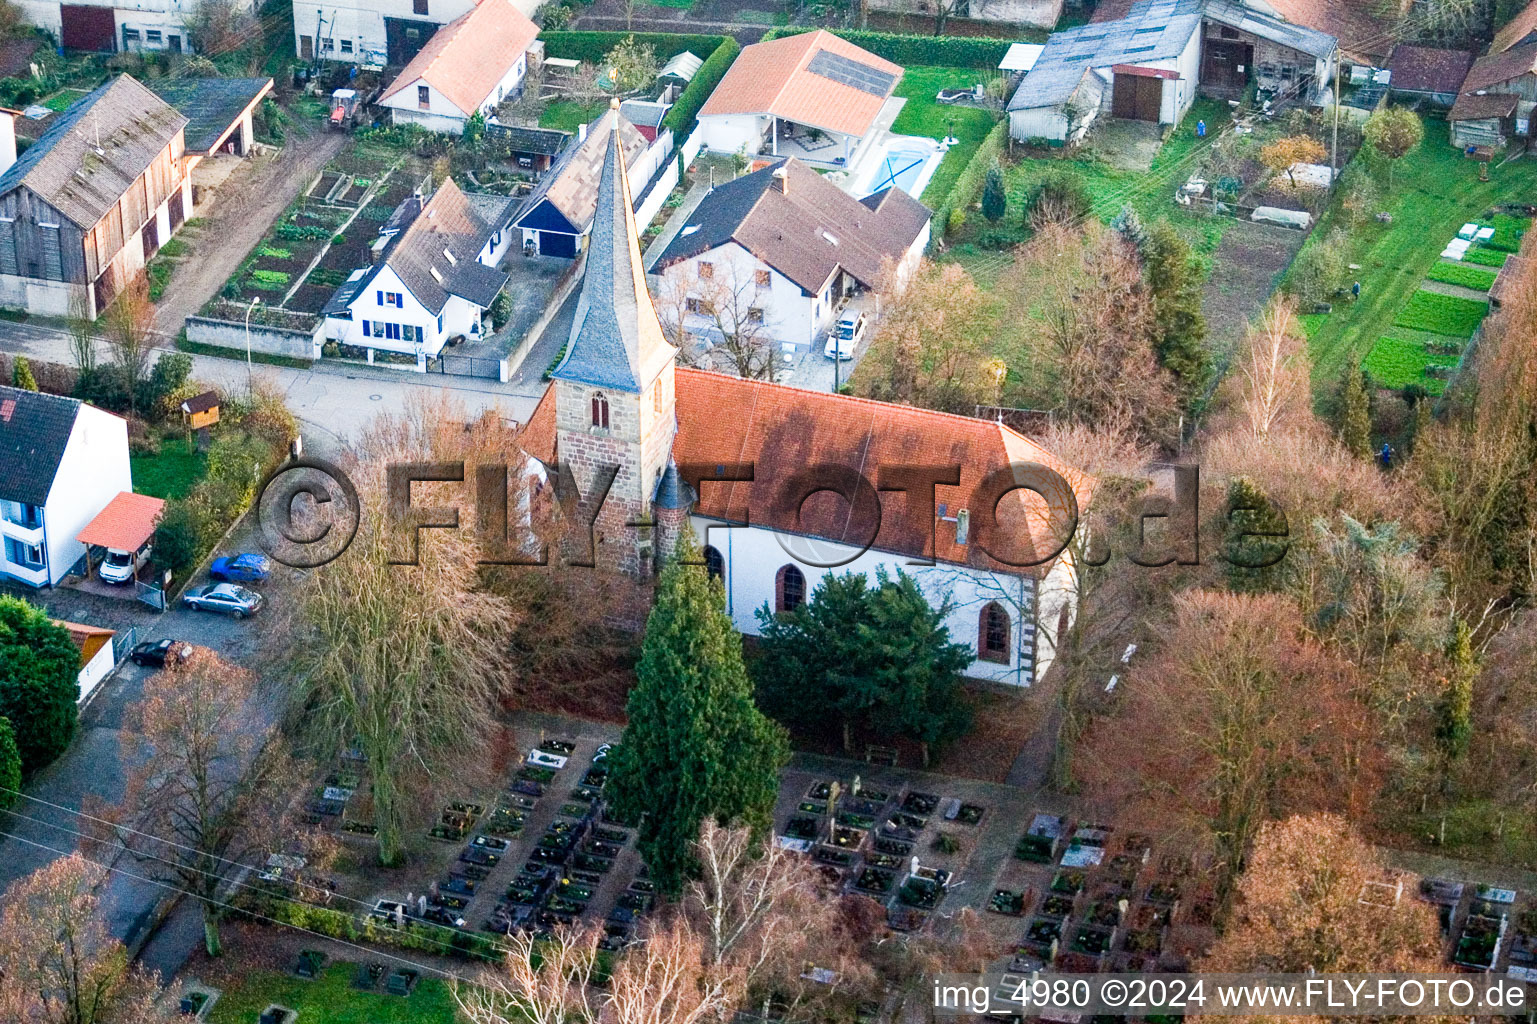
[[230, 598]]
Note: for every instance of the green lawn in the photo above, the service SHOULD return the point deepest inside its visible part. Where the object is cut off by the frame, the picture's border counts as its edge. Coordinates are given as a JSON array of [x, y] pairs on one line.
[[1442, 314], [1436, 192], [170, 474], [63, 99], [569, 115], [1151, 194], [1478, 278], [923, 115], [1403, 357], [331, 999]]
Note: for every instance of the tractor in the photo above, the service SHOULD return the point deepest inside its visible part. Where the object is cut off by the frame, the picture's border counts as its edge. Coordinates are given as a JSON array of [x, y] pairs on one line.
[[344, 109]]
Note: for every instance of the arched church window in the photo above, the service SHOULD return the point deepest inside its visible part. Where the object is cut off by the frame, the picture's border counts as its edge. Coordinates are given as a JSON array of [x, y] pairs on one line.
[[599, 410]]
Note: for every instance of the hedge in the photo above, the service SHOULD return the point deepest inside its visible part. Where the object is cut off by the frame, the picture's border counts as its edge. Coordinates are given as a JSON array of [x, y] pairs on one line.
[[685, 112], [336, 924], [931, 51], [968, 184], [594, 46]]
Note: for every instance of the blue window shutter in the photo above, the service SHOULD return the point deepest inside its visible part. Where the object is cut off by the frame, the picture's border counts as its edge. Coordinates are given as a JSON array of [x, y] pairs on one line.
[[365, 328], [379, 297]]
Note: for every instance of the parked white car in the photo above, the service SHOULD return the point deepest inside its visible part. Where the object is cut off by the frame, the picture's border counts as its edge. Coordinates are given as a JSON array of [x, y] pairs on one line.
[[121, 566], [843, 340]]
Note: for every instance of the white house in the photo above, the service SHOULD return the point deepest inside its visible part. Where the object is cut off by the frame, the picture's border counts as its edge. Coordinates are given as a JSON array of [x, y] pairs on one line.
[[1143, 67], [469, 66], [786, 247], [437, 277], [61, 462], [1149, 62], [371, 32], [686, 449], [812, 95], [148, 25]]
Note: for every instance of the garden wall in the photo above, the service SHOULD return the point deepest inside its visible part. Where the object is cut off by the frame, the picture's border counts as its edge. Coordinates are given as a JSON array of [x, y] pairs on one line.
[[273, 341], [968, 185], [931, 51]]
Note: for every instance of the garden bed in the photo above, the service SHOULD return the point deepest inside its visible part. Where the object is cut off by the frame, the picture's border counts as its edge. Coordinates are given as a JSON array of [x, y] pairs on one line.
[[1407, 358], [1442, 314]]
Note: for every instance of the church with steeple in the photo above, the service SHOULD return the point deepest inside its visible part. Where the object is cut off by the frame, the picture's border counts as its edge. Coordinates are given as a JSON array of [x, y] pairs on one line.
[[668, 448]]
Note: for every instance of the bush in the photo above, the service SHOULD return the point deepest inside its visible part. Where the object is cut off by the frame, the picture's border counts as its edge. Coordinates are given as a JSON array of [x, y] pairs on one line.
[[10, 765], [931, 51], [179, 537], [1319, 269], [501, 310], [166, 380], [1060, 196], [685, 113], [21, 375], [994, 202], [39, 682]]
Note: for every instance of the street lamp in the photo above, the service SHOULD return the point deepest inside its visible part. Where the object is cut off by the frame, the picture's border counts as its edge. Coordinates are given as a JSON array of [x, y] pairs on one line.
[[249, 310]]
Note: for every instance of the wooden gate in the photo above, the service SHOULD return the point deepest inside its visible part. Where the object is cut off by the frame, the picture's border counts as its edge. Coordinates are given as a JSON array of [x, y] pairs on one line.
[[1137, 98]]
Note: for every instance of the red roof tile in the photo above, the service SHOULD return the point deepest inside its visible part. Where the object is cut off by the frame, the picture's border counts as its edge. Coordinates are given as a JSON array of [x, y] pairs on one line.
[[125, 524], [1482, 106], [772, 78], [1497, 68], [465, 59], [1140, 72], [782, 431], [1516, 30]]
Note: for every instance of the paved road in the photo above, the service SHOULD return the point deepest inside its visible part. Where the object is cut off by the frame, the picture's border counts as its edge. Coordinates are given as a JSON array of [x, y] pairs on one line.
[[333, 401], [93, 767]]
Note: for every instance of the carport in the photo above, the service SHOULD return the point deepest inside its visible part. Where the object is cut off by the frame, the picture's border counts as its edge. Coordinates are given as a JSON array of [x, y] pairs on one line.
[[126, 524]]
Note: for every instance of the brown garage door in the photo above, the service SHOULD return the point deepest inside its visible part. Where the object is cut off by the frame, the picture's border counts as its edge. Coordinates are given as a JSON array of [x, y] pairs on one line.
[[1137, 97], [87, 28]]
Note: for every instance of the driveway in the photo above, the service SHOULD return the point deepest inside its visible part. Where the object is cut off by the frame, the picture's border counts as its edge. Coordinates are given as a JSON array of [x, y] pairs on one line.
[[229, 224], [44, 825]]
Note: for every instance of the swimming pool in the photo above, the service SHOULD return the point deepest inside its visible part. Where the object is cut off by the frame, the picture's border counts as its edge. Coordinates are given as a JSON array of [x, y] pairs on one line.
[[905, 161]]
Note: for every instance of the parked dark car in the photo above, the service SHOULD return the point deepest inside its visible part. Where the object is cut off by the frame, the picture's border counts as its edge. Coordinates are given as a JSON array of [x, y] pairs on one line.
[[229, 598], [159, 653], [249, 567]]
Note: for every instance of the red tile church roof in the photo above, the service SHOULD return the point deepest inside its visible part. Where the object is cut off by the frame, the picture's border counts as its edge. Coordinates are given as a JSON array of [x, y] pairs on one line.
[[782, 430]]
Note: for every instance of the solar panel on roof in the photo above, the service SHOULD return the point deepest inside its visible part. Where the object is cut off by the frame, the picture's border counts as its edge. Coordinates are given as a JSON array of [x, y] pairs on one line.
[[852, 73]]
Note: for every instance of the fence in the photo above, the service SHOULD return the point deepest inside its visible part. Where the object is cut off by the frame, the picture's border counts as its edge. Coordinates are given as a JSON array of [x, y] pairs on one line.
[[288, 342], [467, 366], [124, 641], [152, 594]]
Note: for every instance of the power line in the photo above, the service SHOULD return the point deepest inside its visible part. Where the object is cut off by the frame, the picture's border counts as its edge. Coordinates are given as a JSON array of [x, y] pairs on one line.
[[241, 910], [446, 945]]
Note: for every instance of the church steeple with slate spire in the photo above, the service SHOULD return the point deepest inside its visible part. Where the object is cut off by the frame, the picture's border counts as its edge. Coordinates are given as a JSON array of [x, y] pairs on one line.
[[614, 387]]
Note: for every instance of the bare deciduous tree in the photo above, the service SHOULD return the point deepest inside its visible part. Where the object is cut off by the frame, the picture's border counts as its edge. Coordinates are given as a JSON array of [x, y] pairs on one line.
[[1274, 369], [733, 301], [403, 662], [58, 962], [131, 337], [206, 791], [1212, 737]]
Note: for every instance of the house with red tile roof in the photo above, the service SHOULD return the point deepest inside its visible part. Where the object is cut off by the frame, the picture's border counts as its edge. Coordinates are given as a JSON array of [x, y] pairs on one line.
[[783, 486], [1517, 31], [469, 66], [1497, 99], [812, 95]]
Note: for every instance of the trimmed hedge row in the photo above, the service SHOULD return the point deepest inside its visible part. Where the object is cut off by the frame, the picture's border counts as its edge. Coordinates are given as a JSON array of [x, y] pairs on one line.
[[931, 51], [968, 184], [685, 112], [338, 924], [594, 46]]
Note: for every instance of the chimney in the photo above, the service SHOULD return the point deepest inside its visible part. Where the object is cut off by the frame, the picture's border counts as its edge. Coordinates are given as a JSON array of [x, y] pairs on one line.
[[782, 179], [7, 139]]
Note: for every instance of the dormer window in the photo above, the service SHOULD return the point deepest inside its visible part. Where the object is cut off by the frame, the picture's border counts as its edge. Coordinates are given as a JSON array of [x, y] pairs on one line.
[[599, 411]]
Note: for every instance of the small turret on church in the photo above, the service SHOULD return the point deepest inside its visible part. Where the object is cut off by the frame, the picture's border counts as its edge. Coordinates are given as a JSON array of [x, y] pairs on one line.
[[614, 397]]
